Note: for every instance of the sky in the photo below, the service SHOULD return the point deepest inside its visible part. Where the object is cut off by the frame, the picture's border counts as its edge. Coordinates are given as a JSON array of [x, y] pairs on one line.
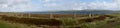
[[57, 5]]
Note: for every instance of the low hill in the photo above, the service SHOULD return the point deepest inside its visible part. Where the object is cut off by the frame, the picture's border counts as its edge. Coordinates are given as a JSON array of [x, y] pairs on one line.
[[77, 12]]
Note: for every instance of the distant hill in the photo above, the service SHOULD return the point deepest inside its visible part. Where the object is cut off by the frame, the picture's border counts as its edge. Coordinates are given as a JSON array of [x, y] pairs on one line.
[[77, 12]]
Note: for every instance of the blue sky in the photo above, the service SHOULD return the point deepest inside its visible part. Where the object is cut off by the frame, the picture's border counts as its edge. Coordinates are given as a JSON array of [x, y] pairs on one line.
[[57, 5]]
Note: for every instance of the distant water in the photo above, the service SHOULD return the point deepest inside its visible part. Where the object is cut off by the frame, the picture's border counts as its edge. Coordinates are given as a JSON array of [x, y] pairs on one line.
[[77, 12]]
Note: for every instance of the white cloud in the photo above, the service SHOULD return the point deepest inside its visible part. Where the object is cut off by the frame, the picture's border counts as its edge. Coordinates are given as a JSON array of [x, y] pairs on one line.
[[78, 8], [100, 5], [49, 0], [15, 5], [3, 5], [26, 5], [118, 3], [50, 5], [91, 5]]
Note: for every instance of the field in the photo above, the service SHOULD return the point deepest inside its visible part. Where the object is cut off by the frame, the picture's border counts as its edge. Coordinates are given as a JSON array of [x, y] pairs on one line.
[[14, 20]]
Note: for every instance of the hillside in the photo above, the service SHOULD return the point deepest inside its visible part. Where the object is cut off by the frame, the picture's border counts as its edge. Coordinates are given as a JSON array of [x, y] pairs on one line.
[[77, 12]]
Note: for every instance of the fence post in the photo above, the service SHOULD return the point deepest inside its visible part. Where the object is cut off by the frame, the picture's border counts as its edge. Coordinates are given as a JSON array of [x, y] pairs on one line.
[[74, 15], [51, 16], [21, 15], [90, 15], [29, 15]]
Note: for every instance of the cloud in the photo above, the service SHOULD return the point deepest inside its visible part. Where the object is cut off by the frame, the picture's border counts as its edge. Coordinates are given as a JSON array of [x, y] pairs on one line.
[[104, 5], [118, 3], [50, 5], [3, 5], [53, 5], [51, 0], [15, 5], [48, 0], [100, 5]]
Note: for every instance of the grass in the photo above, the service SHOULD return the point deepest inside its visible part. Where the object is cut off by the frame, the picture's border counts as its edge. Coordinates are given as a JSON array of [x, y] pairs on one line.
[[6, 25], [68, 22], [118, 26]]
